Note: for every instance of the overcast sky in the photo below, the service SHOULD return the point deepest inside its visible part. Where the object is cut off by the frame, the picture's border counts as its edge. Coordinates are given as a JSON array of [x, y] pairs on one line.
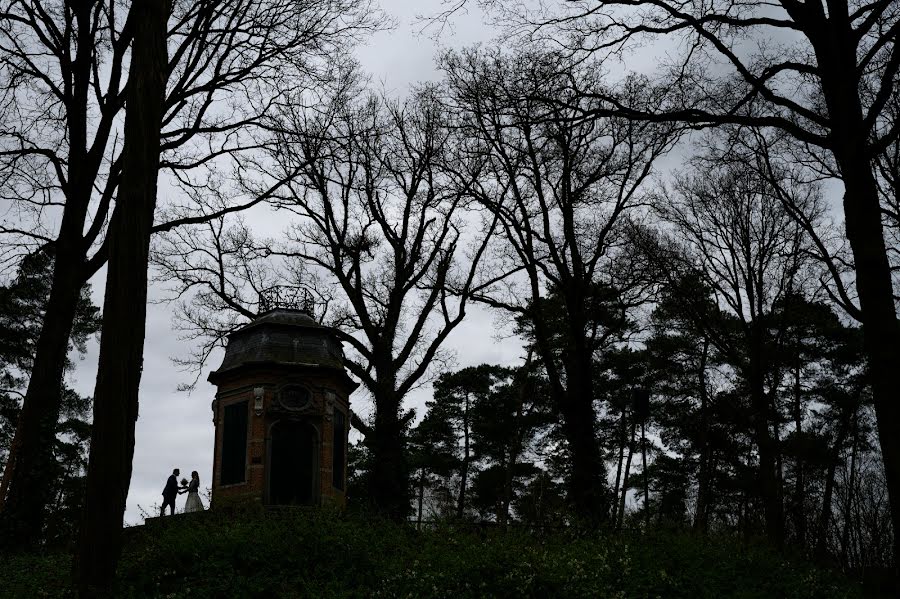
[[175, 428]]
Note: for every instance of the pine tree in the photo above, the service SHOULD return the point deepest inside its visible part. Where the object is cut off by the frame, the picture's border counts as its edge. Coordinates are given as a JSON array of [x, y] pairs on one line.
[[22, 304]]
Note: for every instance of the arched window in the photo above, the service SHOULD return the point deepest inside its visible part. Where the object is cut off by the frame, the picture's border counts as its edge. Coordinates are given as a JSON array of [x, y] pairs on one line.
[[234, 444], [339, 449]]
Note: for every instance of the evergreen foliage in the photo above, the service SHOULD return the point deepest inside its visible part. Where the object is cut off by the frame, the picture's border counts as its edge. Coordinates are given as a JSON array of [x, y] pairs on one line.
[[314, 554], [22, 303]]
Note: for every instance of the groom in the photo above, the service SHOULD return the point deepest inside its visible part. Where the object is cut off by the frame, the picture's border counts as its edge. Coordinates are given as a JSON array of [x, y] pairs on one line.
[[169, 493]]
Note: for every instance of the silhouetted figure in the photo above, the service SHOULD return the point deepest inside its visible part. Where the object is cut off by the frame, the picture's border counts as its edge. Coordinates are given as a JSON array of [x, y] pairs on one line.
[[193, 503], [169, 493]]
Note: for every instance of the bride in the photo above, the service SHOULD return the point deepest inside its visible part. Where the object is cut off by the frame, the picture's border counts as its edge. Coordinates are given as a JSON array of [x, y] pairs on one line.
[[193, 503]]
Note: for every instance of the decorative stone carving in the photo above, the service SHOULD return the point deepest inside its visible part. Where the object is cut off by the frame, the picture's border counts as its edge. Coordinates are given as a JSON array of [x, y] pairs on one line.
[[294, 397]]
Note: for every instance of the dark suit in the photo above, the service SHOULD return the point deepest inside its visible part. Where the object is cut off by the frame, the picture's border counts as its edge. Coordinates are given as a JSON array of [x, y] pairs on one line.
[[169, 493]]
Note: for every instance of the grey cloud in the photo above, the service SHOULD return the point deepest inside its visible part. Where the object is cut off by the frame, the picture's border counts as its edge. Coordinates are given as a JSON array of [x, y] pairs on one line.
[[174, 428]]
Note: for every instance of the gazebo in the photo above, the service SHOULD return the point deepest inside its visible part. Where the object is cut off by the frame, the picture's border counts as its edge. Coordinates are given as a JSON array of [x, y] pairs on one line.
[[281, 413]]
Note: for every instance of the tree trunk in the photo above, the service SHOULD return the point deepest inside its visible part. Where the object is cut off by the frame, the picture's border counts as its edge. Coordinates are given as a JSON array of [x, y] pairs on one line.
[[421, 498], [623, 429], [124, 308], [621, 518], [865, 233], [25, 489], [389, 483], [464, 469], [646, 478], [516, 446], [825, 515], [26, 479], [800, 486], [575, 402], [744, 516], [768, 479], [881, 333], [586, 482], [851, 492], [701, 520]]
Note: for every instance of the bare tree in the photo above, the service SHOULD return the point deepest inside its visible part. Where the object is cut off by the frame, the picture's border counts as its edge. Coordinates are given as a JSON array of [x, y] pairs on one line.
[[798, 188], [221, 271], [562, 188], [752, 253], [887, 164], [823, 72], [124, 308], [64, 85], [378, 230]]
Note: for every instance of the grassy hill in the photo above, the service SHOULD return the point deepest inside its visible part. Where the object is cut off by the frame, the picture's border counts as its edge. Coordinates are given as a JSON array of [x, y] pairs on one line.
[[321, 554]]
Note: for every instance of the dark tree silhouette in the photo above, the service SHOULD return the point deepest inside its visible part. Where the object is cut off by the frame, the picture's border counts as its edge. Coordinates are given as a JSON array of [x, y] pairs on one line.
[[685, 362], [65, 85], [750, 253], [825, 73], [124, 307], [562, 187], [22, 304], [377, 230], [433, 458], [509, 430], [455, 393]]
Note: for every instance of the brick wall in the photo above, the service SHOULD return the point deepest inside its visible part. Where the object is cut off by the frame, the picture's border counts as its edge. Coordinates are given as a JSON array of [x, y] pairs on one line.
[[239, 387]]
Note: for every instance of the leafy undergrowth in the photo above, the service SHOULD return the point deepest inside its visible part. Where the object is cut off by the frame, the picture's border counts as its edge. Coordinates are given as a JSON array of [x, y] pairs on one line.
[[320, 554]]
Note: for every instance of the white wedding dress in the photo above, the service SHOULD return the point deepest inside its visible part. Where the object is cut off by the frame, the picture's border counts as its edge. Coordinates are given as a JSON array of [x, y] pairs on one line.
[[193, 503]]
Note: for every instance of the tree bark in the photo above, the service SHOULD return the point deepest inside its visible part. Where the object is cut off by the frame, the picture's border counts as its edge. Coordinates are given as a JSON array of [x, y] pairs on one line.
[[124, 308], [646, 478], [26, 480], [389, 484], [621, 518], [800, 486], [768, 478], [701, 520], [574, 398], [421, 498], [464, 469], [851, 493], [515, 447], [586, 482], [837, 48], [825, 516], [623, 430], [881, 333]]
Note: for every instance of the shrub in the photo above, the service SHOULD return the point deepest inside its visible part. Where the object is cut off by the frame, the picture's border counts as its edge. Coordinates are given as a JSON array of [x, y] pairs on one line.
[[319, 553]]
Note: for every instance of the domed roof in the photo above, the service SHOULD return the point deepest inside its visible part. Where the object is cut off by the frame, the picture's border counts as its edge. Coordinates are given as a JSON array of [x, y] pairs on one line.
[[283, 337], [284, 316]]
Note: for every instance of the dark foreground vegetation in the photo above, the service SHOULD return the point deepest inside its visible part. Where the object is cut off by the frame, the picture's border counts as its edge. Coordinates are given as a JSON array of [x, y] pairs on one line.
[[315, 554], [688, 212]]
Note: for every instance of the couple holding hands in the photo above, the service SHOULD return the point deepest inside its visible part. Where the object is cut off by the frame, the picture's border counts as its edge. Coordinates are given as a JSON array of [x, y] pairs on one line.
[[193, 503]]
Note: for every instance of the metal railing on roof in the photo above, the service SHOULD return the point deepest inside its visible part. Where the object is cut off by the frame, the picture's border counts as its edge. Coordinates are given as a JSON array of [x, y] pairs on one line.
[[287, 297]]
